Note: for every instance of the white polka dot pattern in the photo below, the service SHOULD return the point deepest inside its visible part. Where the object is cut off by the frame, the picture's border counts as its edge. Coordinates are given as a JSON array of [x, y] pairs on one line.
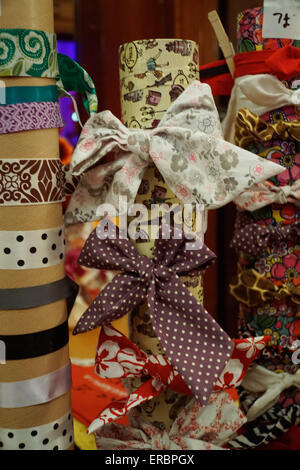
[[254, 239], [31, 249], [189, 336], [57, 435]]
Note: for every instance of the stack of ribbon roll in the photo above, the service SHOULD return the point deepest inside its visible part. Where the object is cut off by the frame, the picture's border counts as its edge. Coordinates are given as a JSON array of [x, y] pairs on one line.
[[264, 106], [35, 372], [171, 151]]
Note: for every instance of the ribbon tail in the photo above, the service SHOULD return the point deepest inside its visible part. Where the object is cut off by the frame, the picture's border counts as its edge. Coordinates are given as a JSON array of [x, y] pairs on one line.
[[106, 308], [265, 402], [195, 344], [117, 409]]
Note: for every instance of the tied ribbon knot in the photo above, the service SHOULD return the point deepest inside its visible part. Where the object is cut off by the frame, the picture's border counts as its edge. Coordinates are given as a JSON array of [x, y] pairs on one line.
[[189, 336], [265, 193], [187, 148], [254, 239], [118, 357]]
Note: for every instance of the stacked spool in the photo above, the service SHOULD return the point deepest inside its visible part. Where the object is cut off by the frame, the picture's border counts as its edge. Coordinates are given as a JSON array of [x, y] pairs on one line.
[[31, 232], [153, 73], [278, 263]]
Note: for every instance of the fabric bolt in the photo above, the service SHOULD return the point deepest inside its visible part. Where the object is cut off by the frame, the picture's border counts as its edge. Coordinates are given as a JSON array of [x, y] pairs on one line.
[[156, 279], [30, 345], [36, 296], [118, 357], [195, 428], [187, 148], [31, 249], [37, 390], [31, 181], [30, 116], [253, 289], [55, 435], [28, 94], [265, 100]]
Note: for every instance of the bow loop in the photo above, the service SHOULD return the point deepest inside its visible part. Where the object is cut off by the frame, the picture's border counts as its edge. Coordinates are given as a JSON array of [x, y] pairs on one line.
[[295, 97], [138, 143], [187, 147], [187, 333]]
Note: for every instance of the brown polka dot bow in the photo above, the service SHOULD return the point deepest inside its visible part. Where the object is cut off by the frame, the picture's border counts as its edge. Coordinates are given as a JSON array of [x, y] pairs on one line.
[[189, 336]]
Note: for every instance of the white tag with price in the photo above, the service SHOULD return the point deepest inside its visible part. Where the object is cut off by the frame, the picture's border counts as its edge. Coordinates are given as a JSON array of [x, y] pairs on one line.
[[281, 19]]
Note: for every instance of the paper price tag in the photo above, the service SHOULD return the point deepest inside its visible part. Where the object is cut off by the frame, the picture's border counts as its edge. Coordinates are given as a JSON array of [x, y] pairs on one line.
[[281, 19]]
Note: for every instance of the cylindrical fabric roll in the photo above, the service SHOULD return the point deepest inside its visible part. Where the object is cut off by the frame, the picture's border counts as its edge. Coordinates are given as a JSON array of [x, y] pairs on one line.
[[278, 260], [48, 424], [153, 73]]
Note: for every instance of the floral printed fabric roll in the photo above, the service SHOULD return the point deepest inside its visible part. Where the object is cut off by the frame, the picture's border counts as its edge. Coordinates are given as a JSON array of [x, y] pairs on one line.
[[153, 73], [279, 261]]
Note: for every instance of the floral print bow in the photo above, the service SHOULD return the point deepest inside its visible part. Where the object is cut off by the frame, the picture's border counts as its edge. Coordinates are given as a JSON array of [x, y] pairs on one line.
[[187, 147], [265, 193], [118, 357], [189, 336]]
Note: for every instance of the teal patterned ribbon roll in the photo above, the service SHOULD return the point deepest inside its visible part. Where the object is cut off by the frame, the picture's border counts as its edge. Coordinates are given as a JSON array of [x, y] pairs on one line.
[[29, 94]]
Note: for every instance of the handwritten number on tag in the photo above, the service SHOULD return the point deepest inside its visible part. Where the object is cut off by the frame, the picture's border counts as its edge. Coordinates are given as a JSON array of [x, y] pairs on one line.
[[285, 18]]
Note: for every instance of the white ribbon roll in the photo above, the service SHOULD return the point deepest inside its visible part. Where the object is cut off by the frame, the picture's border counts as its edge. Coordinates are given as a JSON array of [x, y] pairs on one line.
[[37, 390]]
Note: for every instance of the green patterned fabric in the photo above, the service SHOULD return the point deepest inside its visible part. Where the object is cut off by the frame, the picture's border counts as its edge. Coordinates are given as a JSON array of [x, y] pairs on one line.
[[26, 52], [75, 78], [31, 53]]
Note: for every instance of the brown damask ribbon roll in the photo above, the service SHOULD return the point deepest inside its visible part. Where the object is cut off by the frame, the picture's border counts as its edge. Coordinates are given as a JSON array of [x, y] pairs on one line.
[[250, 127], [31, 181]]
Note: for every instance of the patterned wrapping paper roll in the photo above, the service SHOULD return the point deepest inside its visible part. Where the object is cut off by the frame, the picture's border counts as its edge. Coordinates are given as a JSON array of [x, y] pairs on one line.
[[17, 424], [152, 74], [279, 262]]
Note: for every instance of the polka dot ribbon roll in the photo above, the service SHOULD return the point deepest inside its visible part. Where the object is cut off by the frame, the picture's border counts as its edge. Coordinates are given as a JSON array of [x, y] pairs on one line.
[[188, 334], [31, 249], [118, 357], [56, 435]]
